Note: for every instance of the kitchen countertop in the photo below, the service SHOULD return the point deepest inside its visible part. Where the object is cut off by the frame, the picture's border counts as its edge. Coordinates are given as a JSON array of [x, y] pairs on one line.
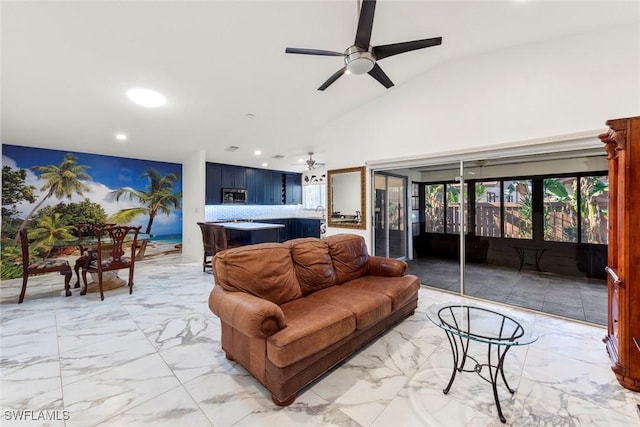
[[249, 226]]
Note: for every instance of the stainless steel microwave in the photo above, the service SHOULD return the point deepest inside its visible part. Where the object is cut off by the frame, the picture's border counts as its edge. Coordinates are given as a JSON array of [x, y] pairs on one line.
[[234, 195]]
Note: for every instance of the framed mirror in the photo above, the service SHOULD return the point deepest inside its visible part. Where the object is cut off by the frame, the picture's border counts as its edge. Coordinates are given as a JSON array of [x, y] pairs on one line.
[[346, 198]]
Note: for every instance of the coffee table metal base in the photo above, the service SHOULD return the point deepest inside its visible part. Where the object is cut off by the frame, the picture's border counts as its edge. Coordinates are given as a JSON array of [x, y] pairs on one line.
[[461, 357]]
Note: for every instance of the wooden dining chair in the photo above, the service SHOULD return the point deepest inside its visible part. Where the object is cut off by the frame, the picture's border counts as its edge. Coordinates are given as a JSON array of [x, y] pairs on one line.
[[208, 244], [85, 230], [109, 254], [221, 239], [40, 267], [214, 239]]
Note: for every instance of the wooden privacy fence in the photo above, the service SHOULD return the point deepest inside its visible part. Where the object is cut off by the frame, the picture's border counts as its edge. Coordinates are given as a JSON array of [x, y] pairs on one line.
[[560, 225], [488, 220]]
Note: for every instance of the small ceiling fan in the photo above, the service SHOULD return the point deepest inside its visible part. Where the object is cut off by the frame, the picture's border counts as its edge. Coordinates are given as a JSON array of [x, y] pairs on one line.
[[311, 163], [362, 57]]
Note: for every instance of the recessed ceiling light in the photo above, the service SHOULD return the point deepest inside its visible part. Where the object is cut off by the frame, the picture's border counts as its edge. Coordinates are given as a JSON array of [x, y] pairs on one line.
[[257, 152], [264, 165], [250, 115], [146, 97], [121, 137]]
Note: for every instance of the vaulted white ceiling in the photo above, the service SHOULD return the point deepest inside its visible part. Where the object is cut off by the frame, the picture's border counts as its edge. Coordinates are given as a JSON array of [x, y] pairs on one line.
[[66, 66]]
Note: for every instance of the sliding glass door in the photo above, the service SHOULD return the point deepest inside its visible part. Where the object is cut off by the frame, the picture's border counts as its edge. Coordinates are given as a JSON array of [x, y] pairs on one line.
[[511, 230], [390, 215]]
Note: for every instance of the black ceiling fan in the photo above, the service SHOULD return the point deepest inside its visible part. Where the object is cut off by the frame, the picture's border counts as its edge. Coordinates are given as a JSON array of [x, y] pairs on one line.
[[361, 57]]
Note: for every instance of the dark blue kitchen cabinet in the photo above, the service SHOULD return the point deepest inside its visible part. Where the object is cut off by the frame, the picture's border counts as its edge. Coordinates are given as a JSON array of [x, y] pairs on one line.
[[272, 187], [234, 177], [254, 187], [293, 188], [283, 233], [264, 186], [213, 184], [295, 228], [309, 227]]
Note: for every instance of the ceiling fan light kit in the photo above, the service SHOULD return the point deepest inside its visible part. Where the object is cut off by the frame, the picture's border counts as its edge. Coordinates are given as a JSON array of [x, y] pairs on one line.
[[361, 57], [358, 61]]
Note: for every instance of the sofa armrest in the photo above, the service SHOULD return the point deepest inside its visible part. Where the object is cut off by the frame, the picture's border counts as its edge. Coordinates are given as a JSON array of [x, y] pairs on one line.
[[388, 267], [253, 316]]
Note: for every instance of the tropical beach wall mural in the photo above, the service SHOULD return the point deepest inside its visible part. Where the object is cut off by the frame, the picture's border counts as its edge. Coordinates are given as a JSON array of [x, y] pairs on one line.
[[49, 191]]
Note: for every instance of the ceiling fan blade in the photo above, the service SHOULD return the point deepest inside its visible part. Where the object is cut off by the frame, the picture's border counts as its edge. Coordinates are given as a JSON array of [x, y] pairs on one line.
[[365, 24], [387, 50], [377, 73], [333, 78], [312, 52]]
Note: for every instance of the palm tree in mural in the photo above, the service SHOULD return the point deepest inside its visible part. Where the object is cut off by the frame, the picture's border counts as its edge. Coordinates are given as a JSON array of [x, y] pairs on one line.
[[159, 198], [49, 230], [63, 180]]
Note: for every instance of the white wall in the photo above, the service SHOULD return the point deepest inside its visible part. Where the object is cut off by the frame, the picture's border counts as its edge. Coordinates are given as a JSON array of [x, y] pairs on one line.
[[193, 192], [556, 87]]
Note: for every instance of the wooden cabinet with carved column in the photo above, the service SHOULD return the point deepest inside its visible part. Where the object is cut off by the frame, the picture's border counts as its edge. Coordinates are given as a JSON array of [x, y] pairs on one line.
[[622, 143]]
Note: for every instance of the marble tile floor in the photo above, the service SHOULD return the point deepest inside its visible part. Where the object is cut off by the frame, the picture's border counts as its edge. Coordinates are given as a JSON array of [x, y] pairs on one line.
[[574, 297], [154, 358]]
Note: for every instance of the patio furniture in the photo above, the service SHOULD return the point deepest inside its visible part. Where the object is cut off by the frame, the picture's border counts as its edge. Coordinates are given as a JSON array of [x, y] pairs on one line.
[[110, 241], [40, 267], [537, 252]]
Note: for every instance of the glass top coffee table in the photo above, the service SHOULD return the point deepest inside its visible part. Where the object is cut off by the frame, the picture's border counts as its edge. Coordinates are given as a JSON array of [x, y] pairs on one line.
[[468, 322]]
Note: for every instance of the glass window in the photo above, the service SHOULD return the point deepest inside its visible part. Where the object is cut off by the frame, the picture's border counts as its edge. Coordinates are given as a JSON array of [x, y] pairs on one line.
[[594, 209], [517, 201], [560, 213], [314, 196], [415, 208], [434, 208], [488, 215]]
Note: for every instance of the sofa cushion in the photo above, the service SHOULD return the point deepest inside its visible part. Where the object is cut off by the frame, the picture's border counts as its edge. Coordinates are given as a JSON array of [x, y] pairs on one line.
[[312, 263], [349, 255], [399, 289], [368, 307], [311, 327], [264, 270]]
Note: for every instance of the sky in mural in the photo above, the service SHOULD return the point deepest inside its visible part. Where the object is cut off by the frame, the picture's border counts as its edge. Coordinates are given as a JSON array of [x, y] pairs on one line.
[[107, 173]]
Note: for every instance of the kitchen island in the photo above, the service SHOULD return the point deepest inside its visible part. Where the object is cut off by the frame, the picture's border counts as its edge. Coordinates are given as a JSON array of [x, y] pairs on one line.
[[249, 233]]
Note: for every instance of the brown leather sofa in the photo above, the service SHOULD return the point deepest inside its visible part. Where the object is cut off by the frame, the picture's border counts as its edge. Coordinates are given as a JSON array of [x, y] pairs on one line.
[[291, 311]]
